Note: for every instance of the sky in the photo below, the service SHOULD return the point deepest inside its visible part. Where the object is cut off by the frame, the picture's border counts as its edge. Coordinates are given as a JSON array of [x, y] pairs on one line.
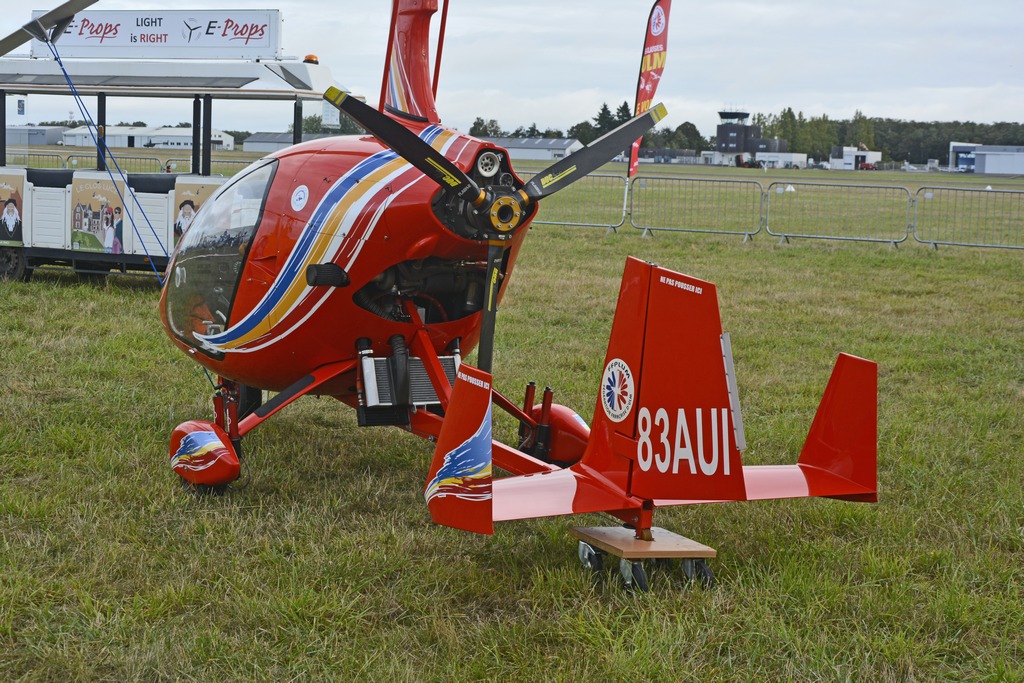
[[554, 62]]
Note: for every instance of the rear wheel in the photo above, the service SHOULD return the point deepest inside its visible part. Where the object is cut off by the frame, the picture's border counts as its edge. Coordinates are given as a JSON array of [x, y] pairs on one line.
[[13, 265], [590, 557], [633, 575]]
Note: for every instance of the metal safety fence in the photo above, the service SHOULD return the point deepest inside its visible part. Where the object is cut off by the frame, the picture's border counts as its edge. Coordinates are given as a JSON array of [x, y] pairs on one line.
[[696, 205], [597, 200], [784, 209], [969, 217], [129, 164], [85, 162], [35, 160], [866, 213], [226, 167]]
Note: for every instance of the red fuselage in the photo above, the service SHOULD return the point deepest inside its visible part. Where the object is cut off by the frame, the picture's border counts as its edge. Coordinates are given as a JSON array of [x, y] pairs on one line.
[[236, 297]]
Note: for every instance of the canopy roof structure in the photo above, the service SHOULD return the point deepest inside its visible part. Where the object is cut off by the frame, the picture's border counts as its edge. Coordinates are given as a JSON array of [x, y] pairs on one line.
[[248, 80], [202, 80]]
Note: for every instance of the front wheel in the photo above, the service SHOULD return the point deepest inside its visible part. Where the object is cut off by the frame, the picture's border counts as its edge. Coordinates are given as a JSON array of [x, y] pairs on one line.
[[13, 265]]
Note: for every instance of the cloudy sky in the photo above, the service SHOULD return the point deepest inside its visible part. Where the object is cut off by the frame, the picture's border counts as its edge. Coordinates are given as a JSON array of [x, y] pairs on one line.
[[554, 62]]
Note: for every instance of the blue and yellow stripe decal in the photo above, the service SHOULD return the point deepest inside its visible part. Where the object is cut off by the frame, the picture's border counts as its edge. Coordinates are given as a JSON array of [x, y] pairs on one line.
[[196, 451], [466, 470], [330, 227], [397, 83]]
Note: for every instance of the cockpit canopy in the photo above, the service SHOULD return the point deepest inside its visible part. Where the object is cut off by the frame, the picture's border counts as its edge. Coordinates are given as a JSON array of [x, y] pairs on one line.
[[207, 267]]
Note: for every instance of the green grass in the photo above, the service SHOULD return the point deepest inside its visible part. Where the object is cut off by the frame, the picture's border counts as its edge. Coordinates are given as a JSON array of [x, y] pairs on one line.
[[327, 567]]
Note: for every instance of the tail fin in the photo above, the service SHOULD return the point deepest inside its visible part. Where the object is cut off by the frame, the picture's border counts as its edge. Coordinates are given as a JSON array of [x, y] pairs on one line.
[[459, 484], [841, 451], [665, 422], [667, 425]]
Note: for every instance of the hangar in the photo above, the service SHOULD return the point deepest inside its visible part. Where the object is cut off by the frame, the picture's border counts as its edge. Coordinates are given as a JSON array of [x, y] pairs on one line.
[[159, 137], [999, 159], [35, 135], [545, 149]]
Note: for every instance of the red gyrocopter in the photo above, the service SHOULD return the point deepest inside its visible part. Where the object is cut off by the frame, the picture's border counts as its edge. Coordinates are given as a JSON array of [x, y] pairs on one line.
[[363, 267]]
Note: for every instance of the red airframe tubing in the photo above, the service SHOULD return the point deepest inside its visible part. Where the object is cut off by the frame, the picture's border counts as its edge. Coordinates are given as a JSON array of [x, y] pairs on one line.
[[440, 46], [387, 59]]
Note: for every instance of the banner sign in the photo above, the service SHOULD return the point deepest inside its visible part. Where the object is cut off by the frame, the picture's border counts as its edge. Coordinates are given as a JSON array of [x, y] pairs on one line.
[[169, 34], [652, 63]]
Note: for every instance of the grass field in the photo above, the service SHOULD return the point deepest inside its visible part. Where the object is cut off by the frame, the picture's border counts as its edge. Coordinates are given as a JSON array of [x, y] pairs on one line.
[[327, 567]]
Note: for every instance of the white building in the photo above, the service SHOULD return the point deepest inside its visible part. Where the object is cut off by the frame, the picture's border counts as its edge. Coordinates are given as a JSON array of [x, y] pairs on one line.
[[267, 143], [782, 159], [162, 137], [35, 135], [852, 158], [999, 159], [544, 149]]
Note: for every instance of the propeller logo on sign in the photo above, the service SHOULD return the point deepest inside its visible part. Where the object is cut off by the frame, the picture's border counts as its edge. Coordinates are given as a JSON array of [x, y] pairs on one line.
[[191, 29], [617, 390]]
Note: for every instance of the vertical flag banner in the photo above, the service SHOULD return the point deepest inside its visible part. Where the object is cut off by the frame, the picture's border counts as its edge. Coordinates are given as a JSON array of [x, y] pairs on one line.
[[652, 63]]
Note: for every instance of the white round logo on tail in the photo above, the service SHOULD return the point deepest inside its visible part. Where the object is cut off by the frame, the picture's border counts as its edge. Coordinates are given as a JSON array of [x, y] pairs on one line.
[[299, 197], [617, 390]]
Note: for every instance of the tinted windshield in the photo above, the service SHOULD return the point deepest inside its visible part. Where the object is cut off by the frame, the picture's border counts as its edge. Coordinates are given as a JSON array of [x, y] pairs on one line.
[[207, 268]]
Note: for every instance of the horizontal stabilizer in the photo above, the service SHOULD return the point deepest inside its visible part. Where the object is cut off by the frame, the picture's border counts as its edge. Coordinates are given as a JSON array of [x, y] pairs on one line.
[[839, 457]]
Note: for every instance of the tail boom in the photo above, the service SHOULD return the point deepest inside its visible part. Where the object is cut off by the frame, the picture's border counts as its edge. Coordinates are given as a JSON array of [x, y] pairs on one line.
[[666, 428]]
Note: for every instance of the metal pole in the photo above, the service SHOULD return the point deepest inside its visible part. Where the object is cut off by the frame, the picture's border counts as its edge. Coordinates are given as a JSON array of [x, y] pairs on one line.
[[197, 117], [207, 133], [3, 127], [297, 122], [101, 131]]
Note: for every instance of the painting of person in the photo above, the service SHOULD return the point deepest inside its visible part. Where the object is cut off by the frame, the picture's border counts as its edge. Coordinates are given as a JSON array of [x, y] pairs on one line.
[[10, 222], [186, 212], [107, 232], [118, 230]]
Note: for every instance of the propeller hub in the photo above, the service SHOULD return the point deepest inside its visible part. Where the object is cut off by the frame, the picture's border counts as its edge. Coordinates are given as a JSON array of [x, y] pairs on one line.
[[505, 214]]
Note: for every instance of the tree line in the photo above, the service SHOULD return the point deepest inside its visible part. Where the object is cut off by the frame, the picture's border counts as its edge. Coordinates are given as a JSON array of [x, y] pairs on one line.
[[898, 140], [815, 136]]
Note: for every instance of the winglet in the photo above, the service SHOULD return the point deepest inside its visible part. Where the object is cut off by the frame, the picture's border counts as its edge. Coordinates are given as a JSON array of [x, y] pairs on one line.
[[459, 485], [840, 455]]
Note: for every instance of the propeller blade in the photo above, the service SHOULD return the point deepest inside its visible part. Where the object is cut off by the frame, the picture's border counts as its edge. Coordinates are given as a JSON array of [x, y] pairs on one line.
[[485, 351], [573, 167], [408, 145], [38, 28]]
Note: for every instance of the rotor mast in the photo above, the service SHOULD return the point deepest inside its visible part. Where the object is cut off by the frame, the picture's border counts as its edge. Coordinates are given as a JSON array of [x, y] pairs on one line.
[[407, 89]]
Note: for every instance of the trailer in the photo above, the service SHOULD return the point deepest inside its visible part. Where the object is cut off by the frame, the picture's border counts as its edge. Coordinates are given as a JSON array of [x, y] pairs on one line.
[[94, 222]]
